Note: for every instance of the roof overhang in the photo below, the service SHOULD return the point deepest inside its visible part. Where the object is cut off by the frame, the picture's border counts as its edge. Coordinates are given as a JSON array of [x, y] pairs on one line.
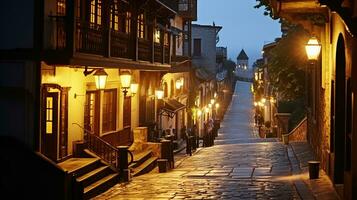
[[171, 107], [304, 12]]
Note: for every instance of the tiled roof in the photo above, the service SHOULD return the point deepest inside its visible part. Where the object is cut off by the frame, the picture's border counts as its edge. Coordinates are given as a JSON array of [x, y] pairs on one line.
[[242, 55]]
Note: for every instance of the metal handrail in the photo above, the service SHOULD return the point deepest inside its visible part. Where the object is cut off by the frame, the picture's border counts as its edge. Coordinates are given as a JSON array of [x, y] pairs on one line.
[[111, 161]]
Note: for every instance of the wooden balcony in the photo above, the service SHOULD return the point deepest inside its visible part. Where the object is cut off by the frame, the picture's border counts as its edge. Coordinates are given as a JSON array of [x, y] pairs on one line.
[[89, 38], [158, 52], [144, 50], [119, 46]]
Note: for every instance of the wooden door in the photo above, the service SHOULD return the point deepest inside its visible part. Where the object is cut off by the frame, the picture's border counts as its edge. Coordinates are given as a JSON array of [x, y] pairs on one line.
[[49, 133]]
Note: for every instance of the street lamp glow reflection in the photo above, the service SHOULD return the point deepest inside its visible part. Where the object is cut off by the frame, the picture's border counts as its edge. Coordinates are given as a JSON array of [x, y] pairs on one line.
[[313, 49]]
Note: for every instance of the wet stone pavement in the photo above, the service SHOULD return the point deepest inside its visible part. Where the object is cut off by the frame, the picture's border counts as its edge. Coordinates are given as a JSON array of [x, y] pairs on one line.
[[238, 166]]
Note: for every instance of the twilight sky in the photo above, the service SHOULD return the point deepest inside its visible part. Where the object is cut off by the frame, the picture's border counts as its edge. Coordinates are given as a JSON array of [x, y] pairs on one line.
[[243, 25]]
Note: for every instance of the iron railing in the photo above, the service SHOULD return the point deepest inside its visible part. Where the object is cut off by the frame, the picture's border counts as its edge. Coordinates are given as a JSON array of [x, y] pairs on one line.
[[103, 149]]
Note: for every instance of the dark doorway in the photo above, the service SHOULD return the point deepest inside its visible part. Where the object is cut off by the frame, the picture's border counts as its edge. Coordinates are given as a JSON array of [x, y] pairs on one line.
[[340, 112], [49, 125]]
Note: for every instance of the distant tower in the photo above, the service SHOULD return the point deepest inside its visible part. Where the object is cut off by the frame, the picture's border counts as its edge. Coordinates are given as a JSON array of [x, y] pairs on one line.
[[242, 69], [242, 61]]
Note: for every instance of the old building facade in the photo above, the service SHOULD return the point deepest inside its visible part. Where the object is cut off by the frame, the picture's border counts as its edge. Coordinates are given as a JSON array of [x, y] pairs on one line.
[[332, 110]]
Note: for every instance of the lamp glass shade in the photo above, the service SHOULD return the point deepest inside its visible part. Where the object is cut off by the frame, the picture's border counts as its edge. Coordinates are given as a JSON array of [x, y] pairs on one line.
[[212, 101], [217, 105], [125, 79], [263, 100], [313, 49], [134, 88], [206, 109], [100, 77], [199, 112], [159, 93], [178, 84], [209, 105]]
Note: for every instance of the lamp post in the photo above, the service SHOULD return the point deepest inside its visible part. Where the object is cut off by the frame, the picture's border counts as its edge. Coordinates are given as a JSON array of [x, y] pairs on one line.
[[159, 94], [313, 49]]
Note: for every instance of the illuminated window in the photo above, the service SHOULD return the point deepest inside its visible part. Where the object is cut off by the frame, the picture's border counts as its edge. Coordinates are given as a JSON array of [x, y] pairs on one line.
[[96, 12], [91, 113], [61, 7], [166, 39], [157, 36], [49, 115], [114, 16], [127, 22], [141, 26], [109, 110]]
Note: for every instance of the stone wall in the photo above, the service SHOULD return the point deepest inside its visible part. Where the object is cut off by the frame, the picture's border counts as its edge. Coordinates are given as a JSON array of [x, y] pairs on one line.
[[299, 132]]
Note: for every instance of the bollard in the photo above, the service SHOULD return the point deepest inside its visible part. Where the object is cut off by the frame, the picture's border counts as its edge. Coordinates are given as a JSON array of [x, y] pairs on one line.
[[163, 165], [189, 146], [167, 152], [123, 163], [314, 168]]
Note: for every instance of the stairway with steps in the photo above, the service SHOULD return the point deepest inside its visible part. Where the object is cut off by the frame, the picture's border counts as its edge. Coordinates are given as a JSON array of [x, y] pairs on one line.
[[144, 162], [92, 175]]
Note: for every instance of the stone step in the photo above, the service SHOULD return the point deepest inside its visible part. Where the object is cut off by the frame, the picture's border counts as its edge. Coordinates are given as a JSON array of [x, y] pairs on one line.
[[100, 185], [145, 167], [94, 175], [140, 158], [80, 166]]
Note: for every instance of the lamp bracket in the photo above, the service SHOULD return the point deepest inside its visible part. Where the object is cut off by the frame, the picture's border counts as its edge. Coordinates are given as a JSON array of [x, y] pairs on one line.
[[86, 71], [78, 95]]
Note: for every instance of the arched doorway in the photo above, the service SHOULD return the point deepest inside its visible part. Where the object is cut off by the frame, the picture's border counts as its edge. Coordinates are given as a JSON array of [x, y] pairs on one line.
[[338, 113]]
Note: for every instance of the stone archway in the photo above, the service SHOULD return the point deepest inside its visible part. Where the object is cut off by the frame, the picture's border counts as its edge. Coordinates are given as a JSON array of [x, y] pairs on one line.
[[338, 128]]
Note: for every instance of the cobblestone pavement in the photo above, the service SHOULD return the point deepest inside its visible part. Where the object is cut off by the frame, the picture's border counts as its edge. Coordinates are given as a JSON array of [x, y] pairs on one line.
[[238, 166]]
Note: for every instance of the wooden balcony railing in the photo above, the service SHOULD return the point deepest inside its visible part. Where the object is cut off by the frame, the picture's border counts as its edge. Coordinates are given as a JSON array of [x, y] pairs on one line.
[[89, 38], [167, 54], [119, 46], [57, 34], [158, 52], [144, 50]]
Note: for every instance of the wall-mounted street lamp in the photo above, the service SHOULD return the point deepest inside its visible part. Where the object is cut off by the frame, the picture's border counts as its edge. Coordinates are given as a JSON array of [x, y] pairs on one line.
[[125, 80], [199, 113], [100, 77], [178, 84], [206, 109], [209, 105], [212, 101], [159, 93], [313, 49], [134, 86]]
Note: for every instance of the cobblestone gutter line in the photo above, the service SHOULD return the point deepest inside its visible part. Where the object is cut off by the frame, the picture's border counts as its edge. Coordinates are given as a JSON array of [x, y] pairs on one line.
[[321, 188]]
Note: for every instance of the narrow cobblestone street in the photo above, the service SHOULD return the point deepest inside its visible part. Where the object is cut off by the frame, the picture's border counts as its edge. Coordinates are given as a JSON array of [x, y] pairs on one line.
[[238, 166]]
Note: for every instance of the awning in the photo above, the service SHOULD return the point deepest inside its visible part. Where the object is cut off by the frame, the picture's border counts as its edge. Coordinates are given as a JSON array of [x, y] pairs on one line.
[[171, 107]]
